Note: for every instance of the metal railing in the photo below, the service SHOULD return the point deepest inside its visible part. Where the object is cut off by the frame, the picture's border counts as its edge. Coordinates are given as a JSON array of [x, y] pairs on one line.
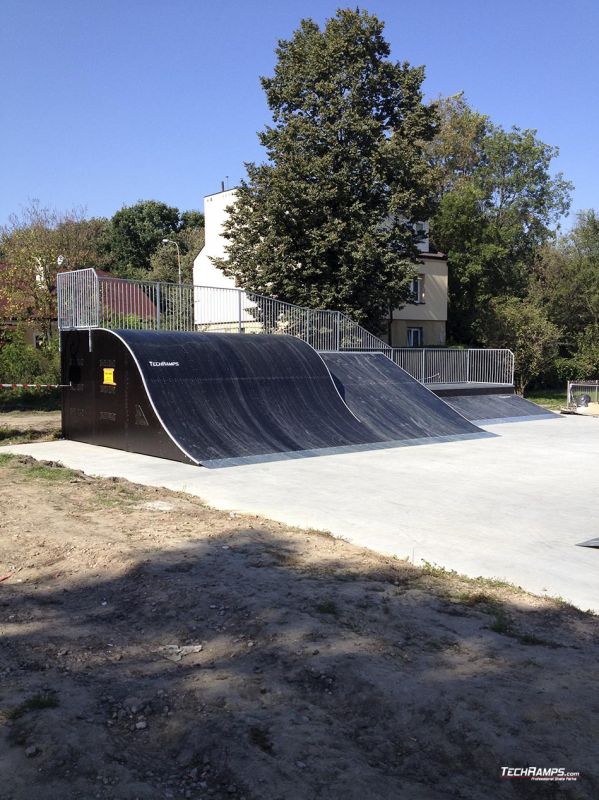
[[86, 300], [456, 365], [580, 394], [78, 299]]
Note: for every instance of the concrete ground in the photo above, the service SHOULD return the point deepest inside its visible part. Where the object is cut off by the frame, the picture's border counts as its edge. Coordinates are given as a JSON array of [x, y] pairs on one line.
[[512, 507]]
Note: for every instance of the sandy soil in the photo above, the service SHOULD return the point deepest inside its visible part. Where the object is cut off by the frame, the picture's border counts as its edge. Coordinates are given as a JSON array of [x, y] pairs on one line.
[[155, 648], [28, 426], [31, 420]]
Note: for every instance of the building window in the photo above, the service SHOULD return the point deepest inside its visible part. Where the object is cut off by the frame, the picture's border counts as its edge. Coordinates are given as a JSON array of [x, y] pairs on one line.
[[417, 290], [415, 338]]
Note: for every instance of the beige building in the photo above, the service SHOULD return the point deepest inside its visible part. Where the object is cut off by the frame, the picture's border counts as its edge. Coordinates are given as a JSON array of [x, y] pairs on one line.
[[418, 324], [423, 322]]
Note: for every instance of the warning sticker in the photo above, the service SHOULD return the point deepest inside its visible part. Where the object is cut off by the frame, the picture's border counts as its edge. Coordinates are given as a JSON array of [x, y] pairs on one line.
[[108, 376]]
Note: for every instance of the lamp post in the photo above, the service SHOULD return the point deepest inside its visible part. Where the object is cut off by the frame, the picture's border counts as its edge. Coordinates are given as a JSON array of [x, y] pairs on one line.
[[172, 241], [179, 305]]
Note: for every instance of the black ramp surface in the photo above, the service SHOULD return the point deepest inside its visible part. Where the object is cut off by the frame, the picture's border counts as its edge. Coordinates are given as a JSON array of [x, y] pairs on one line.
[[107, 403], [392, 403], [490, 407], [227, 396]]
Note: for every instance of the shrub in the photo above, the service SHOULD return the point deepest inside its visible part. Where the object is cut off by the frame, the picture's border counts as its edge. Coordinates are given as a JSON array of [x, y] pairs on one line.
[[22, 363]]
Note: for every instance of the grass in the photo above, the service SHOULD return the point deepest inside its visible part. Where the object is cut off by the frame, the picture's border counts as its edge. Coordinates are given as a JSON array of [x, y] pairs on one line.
[[29, 400], [119, 495], [38, 702], [474, 598], [327, 607], [18, 436], [37, 470], [553, 399], [45, 472], [491, 583]]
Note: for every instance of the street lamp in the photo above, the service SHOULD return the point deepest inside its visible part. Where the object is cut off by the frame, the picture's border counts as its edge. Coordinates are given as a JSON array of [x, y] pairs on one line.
[[172, 241]]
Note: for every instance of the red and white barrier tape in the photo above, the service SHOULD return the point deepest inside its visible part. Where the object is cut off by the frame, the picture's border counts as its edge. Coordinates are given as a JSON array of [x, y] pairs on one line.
[[35, 385]]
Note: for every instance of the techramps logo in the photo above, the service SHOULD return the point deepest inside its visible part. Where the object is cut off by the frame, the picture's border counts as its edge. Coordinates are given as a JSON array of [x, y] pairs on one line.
[[539, 773], [163, 363]]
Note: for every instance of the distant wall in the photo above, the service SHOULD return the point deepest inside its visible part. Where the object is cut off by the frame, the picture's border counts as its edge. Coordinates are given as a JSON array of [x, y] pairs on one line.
[[204, 271]]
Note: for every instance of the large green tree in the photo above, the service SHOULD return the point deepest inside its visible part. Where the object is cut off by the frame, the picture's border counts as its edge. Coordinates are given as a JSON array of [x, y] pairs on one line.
[[495, 213], [136, 233], [567, 285], [330, 219], [567, 276]]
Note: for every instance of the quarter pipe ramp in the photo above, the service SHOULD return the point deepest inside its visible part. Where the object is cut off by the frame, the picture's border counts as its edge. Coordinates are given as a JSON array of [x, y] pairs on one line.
[[203, 398], [392, 403]]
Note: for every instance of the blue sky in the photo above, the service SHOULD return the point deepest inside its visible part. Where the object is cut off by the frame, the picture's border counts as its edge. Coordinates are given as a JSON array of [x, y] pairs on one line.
[[105, 102]]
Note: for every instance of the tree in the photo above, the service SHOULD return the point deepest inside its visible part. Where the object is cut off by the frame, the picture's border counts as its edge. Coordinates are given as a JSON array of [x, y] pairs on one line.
[[30, 246], [494, 217], [567, 276], [164, 265], [521, 325], [583, 362], [330, 219], [567, 285], [136, 232], [457, 149]]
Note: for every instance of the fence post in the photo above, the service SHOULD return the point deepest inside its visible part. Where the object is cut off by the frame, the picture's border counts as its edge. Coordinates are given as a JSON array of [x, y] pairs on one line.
[[308, 320], [239, 328], [423, 365], [157, 305], [338, 331], [468, 365]]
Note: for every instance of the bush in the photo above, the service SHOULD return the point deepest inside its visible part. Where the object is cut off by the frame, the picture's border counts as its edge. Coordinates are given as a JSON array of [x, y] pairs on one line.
[[22, 363], [523, 327], [584, 363]]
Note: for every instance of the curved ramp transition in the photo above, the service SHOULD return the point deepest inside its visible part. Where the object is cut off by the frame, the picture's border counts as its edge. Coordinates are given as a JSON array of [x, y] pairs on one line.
[[390, 401]]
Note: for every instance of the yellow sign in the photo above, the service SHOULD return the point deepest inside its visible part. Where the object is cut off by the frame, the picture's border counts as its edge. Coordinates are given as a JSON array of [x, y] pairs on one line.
[[109, 377]]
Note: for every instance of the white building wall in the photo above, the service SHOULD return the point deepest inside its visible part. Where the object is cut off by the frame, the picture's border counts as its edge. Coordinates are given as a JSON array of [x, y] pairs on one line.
[[204, 271], [214, 310]]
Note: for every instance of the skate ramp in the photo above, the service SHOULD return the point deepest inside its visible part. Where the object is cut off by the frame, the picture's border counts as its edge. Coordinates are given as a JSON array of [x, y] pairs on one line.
[[205, 398], [392, 403], [490, 408]]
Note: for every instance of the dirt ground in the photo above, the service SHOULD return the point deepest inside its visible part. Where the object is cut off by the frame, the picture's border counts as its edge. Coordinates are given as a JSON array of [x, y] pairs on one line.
[[152, 647], [28, 426], [31, 420]]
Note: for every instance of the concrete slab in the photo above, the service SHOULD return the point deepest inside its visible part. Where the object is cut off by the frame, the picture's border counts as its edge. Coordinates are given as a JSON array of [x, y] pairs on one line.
[[514, 506]]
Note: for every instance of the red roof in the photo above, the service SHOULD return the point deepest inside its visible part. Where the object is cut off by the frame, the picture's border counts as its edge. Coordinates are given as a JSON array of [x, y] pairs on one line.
[[125, 298], [119, 296]]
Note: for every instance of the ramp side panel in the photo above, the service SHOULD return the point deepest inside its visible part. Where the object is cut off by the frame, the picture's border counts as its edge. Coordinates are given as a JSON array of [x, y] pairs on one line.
[[228, 396], [488, 407], [390, 401], [110, 409]]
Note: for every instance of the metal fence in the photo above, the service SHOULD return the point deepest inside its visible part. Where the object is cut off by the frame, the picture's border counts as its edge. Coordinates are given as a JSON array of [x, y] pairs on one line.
[[86, 300], [582, 394], [456, 365], [78, 299]]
